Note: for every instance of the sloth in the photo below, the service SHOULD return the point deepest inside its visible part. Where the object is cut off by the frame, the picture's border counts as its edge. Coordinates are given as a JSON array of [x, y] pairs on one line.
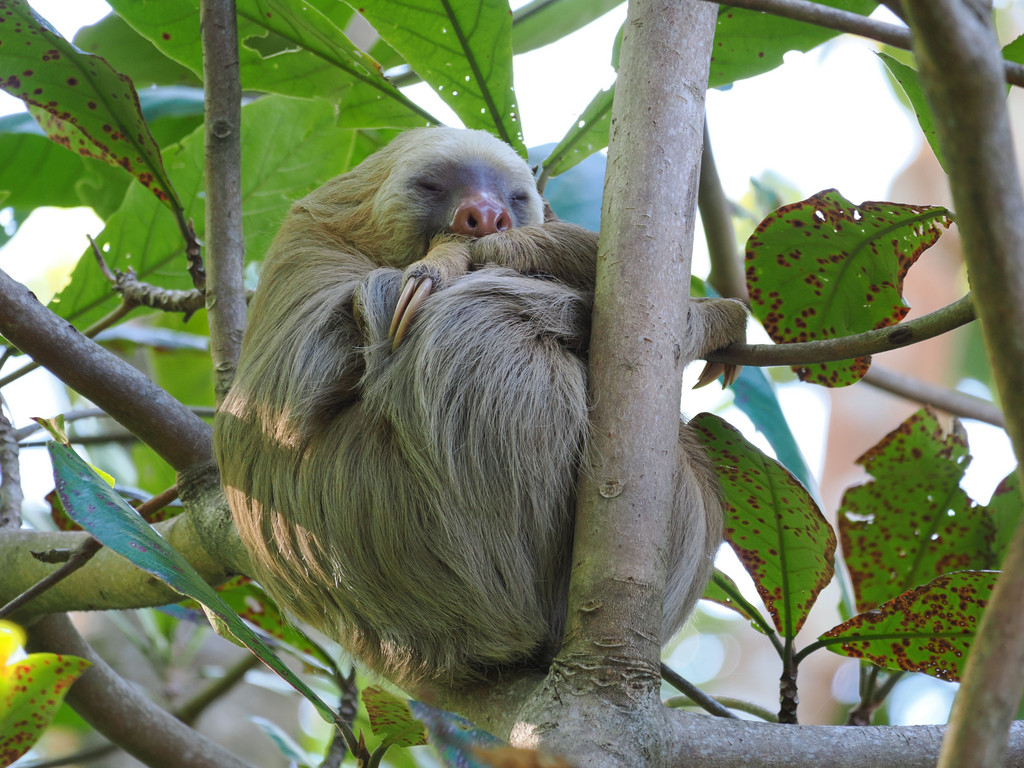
[[401, 446]]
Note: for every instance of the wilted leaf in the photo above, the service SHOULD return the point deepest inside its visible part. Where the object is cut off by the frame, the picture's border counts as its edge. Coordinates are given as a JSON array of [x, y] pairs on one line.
[[824, 267], [772, 524], [929, 629], [913, 522], [31, 691], [391, 720]]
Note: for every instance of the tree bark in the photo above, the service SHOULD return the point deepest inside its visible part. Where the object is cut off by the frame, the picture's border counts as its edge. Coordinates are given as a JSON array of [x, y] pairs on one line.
[[961, 74]]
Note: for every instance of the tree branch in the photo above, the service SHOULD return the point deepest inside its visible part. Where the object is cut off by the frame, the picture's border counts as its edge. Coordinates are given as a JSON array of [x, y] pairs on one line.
[[928, 326], [854, 23], [727, 276], [174, 432], [11, 494], [635, 364], [960, 68], [949, 400], [121, 713], [225, 291]]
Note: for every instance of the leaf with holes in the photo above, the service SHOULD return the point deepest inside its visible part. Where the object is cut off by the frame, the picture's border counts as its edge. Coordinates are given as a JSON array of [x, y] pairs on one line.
[[100, 510], [391, 720], [31, 691], [289, 48], [79, 100], [463, 50], [749, 42], [824, 267], [928, 629], [772, 524], [912, 522]]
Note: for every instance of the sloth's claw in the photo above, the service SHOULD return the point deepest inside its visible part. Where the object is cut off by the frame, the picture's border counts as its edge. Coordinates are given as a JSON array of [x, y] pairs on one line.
[[712, 371], [413, 295]]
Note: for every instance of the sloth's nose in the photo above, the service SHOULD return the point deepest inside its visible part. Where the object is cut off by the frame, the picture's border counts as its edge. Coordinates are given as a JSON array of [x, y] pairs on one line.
[[480, 215]]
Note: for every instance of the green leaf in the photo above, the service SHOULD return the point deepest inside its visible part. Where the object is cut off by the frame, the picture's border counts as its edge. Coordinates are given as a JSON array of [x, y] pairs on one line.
[[31, 692], [462, 49], [289, 147], [100, 510], [285, 744], [772, 524], [928, 629], [131, 53], [542, 22], [391, 720], [823, 268], [723, 591], [289, 48], [80, 101], [907, 78], [589, 135], [1004, 511], [756, 397], [912, 522], [748, 43]]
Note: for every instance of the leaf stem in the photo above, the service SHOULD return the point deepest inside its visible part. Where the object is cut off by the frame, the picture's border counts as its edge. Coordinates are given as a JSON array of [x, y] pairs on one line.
[[871, 342]]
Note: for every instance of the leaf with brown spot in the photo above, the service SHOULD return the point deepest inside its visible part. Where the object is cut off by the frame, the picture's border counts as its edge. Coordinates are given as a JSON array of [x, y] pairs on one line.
[[391, 720], [912, 522], [31, 691], [928, 629], [79, 99], [824, 267], [772, 524]]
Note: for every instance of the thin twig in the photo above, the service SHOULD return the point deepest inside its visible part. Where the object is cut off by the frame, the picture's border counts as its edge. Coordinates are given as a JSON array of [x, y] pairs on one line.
[[695, 694], [203, 412], [160, 421], [86, 755], [225, 246], [731, 702], [122, 713], [190, 711], [936, 323], [854, 23], [81, 556], [727, 275], [11, 495], [949, 400], [102, 324]]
